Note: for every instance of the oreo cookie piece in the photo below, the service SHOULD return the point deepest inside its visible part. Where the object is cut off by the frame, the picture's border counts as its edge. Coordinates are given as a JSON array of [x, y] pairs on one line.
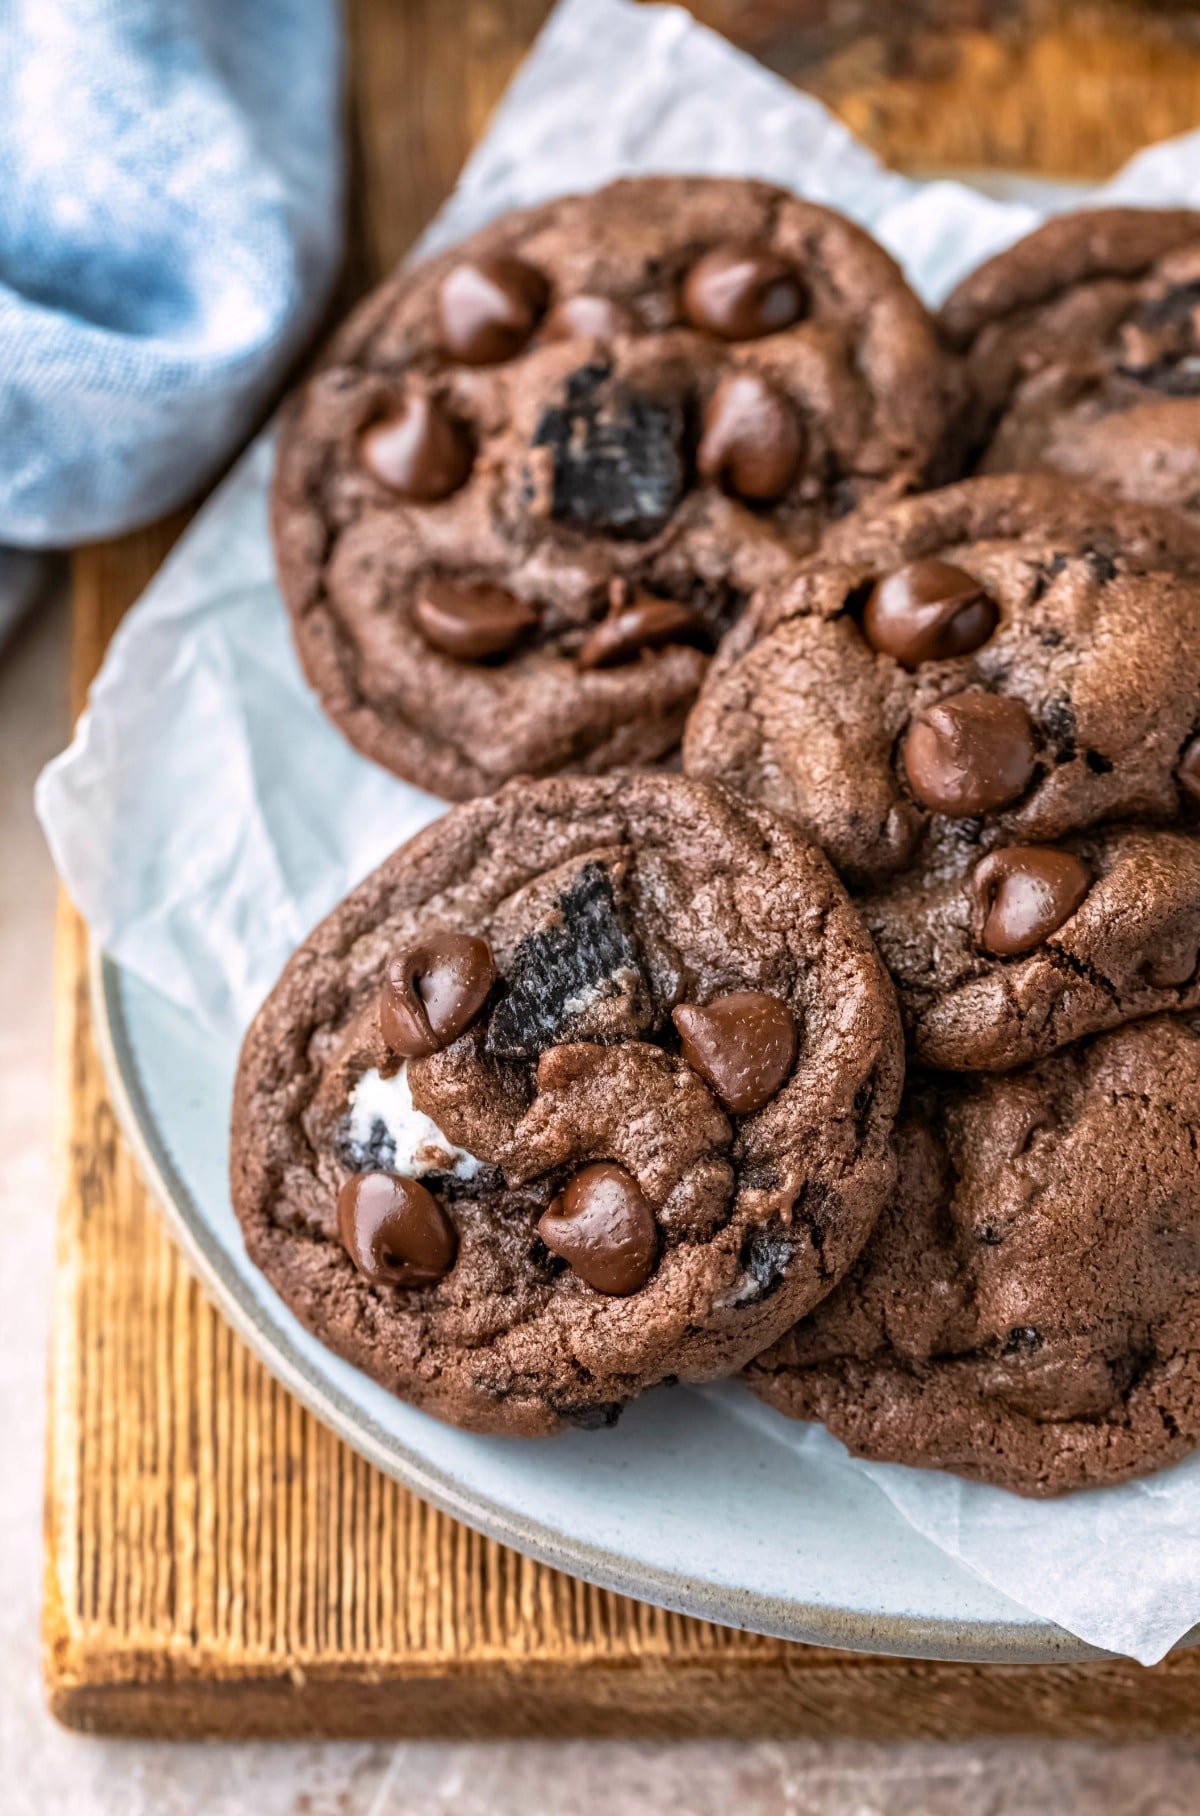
[[617, 455], [578, 977], [589, 1087]]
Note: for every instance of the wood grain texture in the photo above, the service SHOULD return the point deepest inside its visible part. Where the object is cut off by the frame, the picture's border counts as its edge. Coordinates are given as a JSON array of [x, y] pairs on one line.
[[216, 1562]]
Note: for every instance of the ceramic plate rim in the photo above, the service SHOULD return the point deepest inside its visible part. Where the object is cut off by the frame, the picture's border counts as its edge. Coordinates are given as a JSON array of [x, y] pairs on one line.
[[1030, 1641]]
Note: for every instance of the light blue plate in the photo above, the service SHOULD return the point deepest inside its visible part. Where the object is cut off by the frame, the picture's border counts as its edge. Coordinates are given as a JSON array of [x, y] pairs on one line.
[[689, 1502]]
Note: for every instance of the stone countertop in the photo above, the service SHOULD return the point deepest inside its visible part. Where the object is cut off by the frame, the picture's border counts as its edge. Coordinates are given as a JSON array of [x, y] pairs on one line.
[[60, 1774]]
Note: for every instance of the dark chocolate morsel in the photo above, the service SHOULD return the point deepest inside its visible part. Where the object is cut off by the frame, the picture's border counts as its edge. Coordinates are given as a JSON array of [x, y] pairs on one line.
[[742, 293], [617, 457], [742, 1045], [433, 992], [751, 442], [488, 308], [418, 450], [471, 622], [969, 754], [645, 622], [604, 1229], [928, 611], [586, 317], [1023, 894], [394, 1230], [1187, 774]]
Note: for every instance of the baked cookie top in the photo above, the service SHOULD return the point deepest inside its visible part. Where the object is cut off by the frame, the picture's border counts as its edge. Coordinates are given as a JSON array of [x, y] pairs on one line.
[[539, 474], [1082, 345], [956, 682], [589, 1087], [1026, 1310]]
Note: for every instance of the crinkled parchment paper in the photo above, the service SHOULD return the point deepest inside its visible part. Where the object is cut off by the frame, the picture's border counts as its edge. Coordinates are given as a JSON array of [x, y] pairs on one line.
[[206, 815]]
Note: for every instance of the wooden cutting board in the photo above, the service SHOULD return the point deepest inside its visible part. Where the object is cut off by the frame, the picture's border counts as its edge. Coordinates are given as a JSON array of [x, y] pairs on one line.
[[216, 1562]]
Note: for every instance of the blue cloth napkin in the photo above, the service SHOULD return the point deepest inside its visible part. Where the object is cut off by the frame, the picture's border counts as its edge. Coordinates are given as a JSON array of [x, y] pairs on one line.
[[169, 228]]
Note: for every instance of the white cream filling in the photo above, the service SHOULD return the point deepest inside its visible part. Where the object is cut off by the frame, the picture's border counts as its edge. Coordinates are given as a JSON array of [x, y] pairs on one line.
[[420, 1146]]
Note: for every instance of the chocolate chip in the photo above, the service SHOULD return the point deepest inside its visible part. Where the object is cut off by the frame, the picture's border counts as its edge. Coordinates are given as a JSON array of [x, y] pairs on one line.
[[586, 954], [644, 622], [433, 992], [395, 1232], [471, 622], [1023, 894], [586, 317], [418, 450], [617, 455], [604, 1230], [1023, 1340], [742, 293], [488, 308], [928, 611], [751, 442], [1187, 772], [970, 753], [742, 1045]]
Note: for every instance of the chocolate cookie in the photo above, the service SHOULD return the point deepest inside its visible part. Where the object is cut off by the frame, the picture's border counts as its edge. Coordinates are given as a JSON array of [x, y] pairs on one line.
[[1026, 1311], [1082, 345], [589, 1087], [1007, 658], [1004, 957], [541, 473]]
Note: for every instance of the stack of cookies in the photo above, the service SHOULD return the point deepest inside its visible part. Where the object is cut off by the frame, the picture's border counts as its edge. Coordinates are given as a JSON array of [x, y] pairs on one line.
[[862, 1056]]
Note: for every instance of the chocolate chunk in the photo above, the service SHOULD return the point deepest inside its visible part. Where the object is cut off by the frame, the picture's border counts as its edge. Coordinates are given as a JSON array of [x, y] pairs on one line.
[[1023, 894], [617, 455], [433, 992], [1187, 773], [643, 622], [928, 611], [742, 293], [418, 450], [471, 622], [604, 1229], [742, 1045], [585, 317], [969, 754], [395, 1232], [751, 442], [557, 973], [488, 308]]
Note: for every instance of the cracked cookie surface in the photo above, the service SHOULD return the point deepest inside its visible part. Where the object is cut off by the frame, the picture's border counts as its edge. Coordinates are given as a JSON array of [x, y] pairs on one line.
[[539, 474], [601, 1164], [1082, 347], [1026, 1310]]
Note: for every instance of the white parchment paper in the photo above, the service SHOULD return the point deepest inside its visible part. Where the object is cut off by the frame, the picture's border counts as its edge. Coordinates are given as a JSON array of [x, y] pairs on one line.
[[206, 815]]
